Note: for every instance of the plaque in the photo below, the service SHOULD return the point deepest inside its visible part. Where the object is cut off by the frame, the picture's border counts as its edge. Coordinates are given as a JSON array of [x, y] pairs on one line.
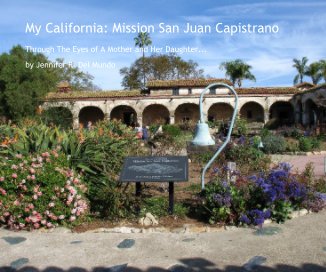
[[155, 169]]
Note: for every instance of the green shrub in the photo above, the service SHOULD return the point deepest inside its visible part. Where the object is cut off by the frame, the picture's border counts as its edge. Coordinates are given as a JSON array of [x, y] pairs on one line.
[[250, 200], [241, 126], [274, 144], [292, 145], [40, 191], [58, 116], [172, 130], [305, 144], [158, 206], [247, 157]]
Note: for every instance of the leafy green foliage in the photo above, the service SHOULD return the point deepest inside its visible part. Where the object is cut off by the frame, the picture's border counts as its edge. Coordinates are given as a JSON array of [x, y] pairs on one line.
[[158, 67], [22, 89], [250, 200], [237, 70], [172, 130], [40, 190], [158, 206], [241, 126], [58, 116], [274, 144], [301, 66]]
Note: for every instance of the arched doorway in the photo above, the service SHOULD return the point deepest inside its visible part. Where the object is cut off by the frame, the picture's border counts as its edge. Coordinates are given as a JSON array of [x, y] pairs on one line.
[[252, 112], [282, 112], [125, 114], [187, 112], [90, 113], [220, 112], [58, 116], [156, 114]]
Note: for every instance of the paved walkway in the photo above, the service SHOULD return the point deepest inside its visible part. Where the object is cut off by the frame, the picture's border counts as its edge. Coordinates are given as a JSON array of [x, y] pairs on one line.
[[299, 245], [299, 162]]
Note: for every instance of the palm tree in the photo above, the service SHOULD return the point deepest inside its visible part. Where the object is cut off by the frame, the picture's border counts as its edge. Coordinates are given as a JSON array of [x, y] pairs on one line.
[[314, 71], [323, 68], [301, 66], [143, 40], [236, 71]]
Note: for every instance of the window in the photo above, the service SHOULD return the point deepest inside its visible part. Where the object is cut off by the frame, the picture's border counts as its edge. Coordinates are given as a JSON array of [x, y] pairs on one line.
[[212, 91], [175, 91], [189, 91]]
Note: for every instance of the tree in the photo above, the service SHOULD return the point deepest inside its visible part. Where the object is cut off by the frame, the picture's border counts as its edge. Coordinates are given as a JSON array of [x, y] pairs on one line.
[[78, 80], [237, 71], [301, 66], [143, 40], [159, 67], [314, 71], [22, 89], [323, 68]]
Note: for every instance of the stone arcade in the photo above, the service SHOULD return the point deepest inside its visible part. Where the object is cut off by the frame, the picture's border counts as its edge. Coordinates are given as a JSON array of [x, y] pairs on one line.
[[176, 101]]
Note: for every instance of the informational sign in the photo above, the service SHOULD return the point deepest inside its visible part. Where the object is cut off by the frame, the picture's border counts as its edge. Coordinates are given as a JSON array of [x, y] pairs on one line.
[[152, 169]]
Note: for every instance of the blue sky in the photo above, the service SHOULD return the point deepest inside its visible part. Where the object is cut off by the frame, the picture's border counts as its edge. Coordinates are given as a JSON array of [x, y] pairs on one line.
[[302, 32]]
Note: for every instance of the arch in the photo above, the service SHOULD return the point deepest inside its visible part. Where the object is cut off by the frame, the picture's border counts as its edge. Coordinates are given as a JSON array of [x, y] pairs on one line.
[[282, 112], [156, 114], [59, 116], [187, 112], [125, 114], [252, 112], [220, 112], [90, 113]]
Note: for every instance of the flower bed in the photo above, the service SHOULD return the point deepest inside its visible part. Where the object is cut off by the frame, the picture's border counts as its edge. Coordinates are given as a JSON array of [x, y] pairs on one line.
[[251, 200], [39, 191]]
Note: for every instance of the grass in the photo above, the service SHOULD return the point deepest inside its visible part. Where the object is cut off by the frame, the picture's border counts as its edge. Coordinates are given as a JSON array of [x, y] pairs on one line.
[[158, 206]]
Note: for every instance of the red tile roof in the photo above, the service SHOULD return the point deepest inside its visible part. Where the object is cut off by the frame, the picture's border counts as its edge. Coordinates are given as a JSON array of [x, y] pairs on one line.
[[202, 82]]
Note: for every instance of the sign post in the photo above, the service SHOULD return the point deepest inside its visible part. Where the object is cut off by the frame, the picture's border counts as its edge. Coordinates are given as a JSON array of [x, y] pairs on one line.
[[155, 169]]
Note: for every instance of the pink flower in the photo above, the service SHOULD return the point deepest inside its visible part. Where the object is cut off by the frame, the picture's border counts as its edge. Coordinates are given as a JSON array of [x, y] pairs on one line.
[[32, 177], [49, 225], [2, 178], [36, 225], [76, 181], [51, 204], [43, 222], [14, 175], [46, 154], [14, 167], [61, 217], [31, 206], [3, 191], [39, 193], [35, 197], [72, 218], [16, 203], [32, 170]]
